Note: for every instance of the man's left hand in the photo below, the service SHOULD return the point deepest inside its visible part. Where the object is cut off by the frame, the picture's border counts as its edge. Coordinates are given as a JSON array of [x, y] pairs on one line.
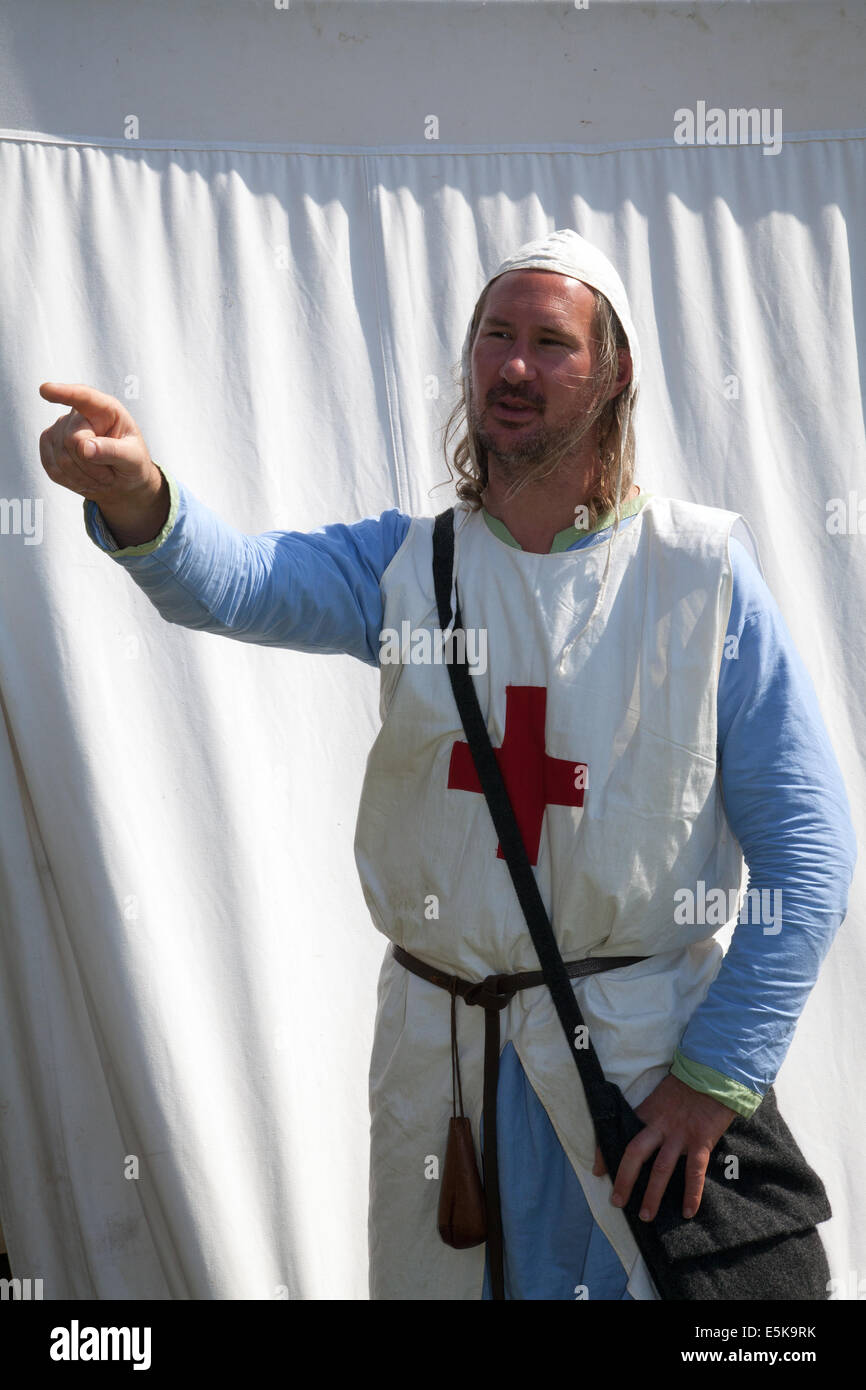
[[679, 1120]]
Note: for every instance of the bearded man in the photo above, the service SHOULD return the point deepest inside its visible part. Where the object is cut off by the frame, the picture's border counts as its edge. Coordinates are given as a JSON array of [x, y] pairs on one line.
[[630, 639]]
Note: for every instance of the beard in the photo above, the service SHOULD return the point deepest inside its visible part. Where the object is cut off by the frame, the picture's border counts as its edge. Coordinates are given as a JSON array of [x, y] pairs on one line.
[[540, 449]]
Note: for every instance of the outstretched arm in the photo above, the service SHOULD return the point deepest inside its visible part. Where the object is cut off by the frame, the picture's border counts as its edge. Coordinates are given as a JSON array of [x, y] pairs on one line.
[[314, 591]]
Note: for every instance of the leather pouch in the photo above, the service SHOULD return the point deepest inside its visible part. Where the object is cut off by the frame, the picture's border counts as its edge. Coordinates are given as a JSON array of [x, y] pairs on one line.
[[462, 1221]]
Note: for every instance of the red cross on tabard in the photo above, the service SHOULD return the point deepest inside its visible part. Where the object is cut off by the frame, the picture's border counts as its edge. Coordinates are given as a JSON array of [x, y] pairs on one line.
[[532, 779]]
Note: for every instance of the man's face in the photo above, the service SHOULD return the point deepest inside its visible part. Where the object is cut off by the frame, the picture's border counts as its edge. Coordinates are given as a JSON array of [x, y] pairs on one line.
[[533, 364]]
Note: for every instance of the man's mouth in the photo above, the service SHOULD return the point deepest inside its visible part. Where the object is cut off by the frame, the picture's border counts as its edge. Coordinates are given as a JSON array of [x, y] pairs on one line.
[[514, 409]]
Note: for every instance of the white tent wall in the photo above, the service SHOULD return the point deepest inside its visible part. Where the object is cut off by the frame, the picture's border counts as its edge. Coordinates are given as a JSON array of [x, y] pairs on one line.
[[187, 966]]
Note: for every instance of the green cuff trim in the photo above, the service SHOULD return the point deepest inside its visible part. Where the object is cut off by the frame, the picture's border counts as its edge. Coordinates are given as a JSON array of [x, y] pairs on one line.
[[563, 540], [149, 546], [731, 1093]]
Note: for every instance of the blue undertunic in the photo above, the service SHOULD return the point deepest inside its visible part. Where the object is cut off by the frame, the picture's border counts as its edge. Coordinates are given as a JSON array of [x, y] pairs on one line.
[[784, 796]]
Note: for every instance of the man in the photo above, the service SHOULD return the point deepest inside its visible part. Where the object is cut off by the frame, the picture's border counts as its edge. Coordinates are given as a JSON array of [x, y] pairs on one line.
[[631, 641]]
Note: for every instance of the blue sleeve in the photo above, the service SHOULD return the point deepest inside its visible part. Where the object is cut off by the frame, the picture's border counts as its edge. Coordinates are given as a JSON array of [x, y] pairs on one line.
[[787, 805], [315, 591]]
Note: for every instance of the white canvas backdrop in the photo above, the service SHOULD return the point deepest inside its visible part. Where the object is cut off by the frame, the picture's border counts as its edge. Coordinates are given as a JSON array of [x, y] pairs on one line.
[[188, 968]]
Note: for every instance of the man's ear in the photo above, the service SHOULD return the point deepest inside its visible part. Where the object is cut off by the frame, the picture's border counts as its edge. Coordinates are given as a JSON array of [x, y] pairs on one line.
[[623, 376]]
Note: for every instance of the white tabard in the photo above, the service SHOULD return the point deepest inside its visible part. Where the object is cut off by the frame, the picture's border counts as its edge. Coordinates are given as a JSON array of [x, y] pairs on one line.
[[623, 721]]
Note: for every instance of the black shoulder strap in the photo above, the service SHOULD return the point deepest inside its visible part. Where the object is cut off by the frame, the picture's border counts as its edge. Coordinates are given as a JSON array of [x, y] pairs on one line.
[[602, 1098]]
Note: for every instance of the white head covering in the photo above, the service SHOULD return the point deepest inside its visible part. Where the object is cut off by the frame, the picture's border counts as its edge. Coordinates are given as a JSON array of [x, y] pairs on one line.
[[568, 253]]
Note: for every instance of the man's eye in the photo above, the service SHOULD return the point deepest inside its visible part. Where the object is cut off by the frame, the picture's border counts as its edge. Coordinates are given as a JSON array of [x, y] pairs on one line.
[[503, 333]]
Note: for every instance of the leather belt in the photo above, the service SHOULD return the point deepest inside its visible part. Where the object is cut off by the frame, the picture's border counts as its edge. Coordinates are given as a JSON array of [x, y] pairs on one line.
[[492, 994]]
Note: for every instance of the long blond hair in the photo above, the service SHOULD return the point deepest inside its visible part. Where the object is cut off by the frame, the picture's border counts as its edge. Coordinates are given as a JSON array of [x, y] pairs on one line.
[[614, 418]]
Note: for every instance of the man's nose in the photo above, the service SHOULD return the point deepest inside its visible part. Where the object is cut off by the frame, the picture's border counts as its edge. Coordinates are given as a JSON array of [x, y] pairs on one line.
[[518, 366]]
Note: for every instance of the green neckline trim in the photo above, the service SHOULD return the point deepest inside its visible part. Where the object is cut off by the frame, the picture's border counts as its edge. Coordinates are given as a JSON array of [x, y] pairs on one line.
[[563, 540]]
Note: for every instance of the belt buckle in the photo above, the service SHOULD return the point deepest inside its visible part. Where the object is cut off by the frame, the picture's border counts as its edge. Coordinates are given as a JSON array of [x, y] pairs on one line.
[[489, 992]]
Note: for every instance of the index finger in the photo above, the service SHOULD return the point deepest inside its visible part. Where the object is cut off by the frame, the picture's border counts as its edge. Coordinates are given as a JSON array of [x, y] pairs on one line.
[[636, 1153], [96, 406]]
